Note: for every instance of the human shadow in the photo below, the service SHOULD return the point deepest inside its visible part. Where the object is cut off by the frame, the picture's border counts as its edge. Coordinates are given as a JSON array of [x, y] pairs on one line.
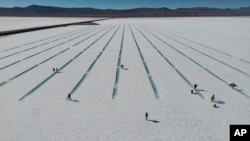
[[75, 100], [70, 99], [58, 72], [125, 68], [154, 121], [218, 102], [200, 90], [238, 89]]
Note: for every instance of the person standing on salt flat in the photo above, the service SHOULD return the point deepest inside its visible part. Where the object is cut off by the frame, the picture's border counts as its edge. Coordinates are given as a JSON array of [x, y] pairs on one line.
[[212, 98], [233, 85], [195, 86], [146, 115], [215, 106], [54, 70], [69, 97], [122, 66]]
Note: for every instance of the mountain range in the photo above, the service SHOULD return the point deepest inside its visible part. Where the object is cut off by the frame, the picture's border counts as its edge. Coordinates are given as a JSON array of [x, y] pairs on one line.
[[49, 11]]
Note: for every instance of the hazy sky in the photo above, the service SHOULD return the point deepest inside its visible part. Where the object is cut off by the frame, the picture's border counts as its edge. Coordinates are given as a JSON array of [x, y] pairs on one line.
[[125, 4]]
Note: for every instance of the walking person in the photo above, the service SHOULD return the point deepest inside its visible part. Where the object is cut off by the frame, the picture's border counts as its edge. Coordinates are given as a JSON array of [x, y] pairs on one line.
[[146, 115], [54, 69]]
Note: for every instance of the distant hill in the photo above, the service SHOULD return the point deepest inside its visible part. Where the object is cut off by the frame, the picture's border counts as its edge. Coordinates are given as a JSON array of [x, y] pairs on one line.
[[48, 11]]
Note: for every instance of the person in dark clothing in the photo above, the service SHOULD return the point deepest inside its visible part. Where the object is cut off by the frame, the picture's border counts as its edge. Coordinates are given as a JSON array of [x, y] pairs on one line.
[[215, 106], [212, 98], [54, 69], [69, 97], [233, 85], [195, 86], [122, 66], [192, 92], [146, 115]]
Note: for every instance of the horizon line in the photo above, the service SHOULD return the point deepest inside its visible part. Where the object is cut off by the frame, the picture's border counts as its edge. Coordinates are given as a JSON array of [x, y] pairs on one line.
[[122, 8]]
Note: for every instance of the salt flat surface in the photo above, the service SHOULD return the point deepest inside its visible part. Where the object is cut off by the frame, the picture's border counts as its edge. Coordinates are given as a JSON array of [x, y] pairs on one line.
[[13, 23], [162, 57]]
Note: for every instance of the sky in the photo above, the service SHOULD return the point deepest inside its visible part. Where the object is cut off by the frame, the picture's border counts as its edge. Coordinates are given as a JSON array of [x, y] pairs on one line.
[[127, 4]]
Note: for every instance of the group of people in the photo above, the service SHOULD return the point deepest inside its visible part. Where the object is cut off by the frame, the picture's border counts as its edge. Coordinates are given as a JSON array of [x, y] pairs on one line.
[[233, 85], [195, 86], [213, 100], [212, 97], [55, 70]]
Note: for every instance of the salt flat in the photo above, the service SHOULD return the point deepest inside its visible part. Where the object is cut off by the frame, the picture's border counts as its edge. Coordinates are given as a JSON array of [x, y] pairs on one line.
[[13, 23], [163, 58]]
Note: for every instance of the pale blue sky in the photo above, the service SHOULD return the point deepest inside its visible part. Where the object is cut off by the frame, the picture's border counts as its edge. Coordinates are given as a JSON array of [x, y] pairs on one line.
[[126, 4]]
